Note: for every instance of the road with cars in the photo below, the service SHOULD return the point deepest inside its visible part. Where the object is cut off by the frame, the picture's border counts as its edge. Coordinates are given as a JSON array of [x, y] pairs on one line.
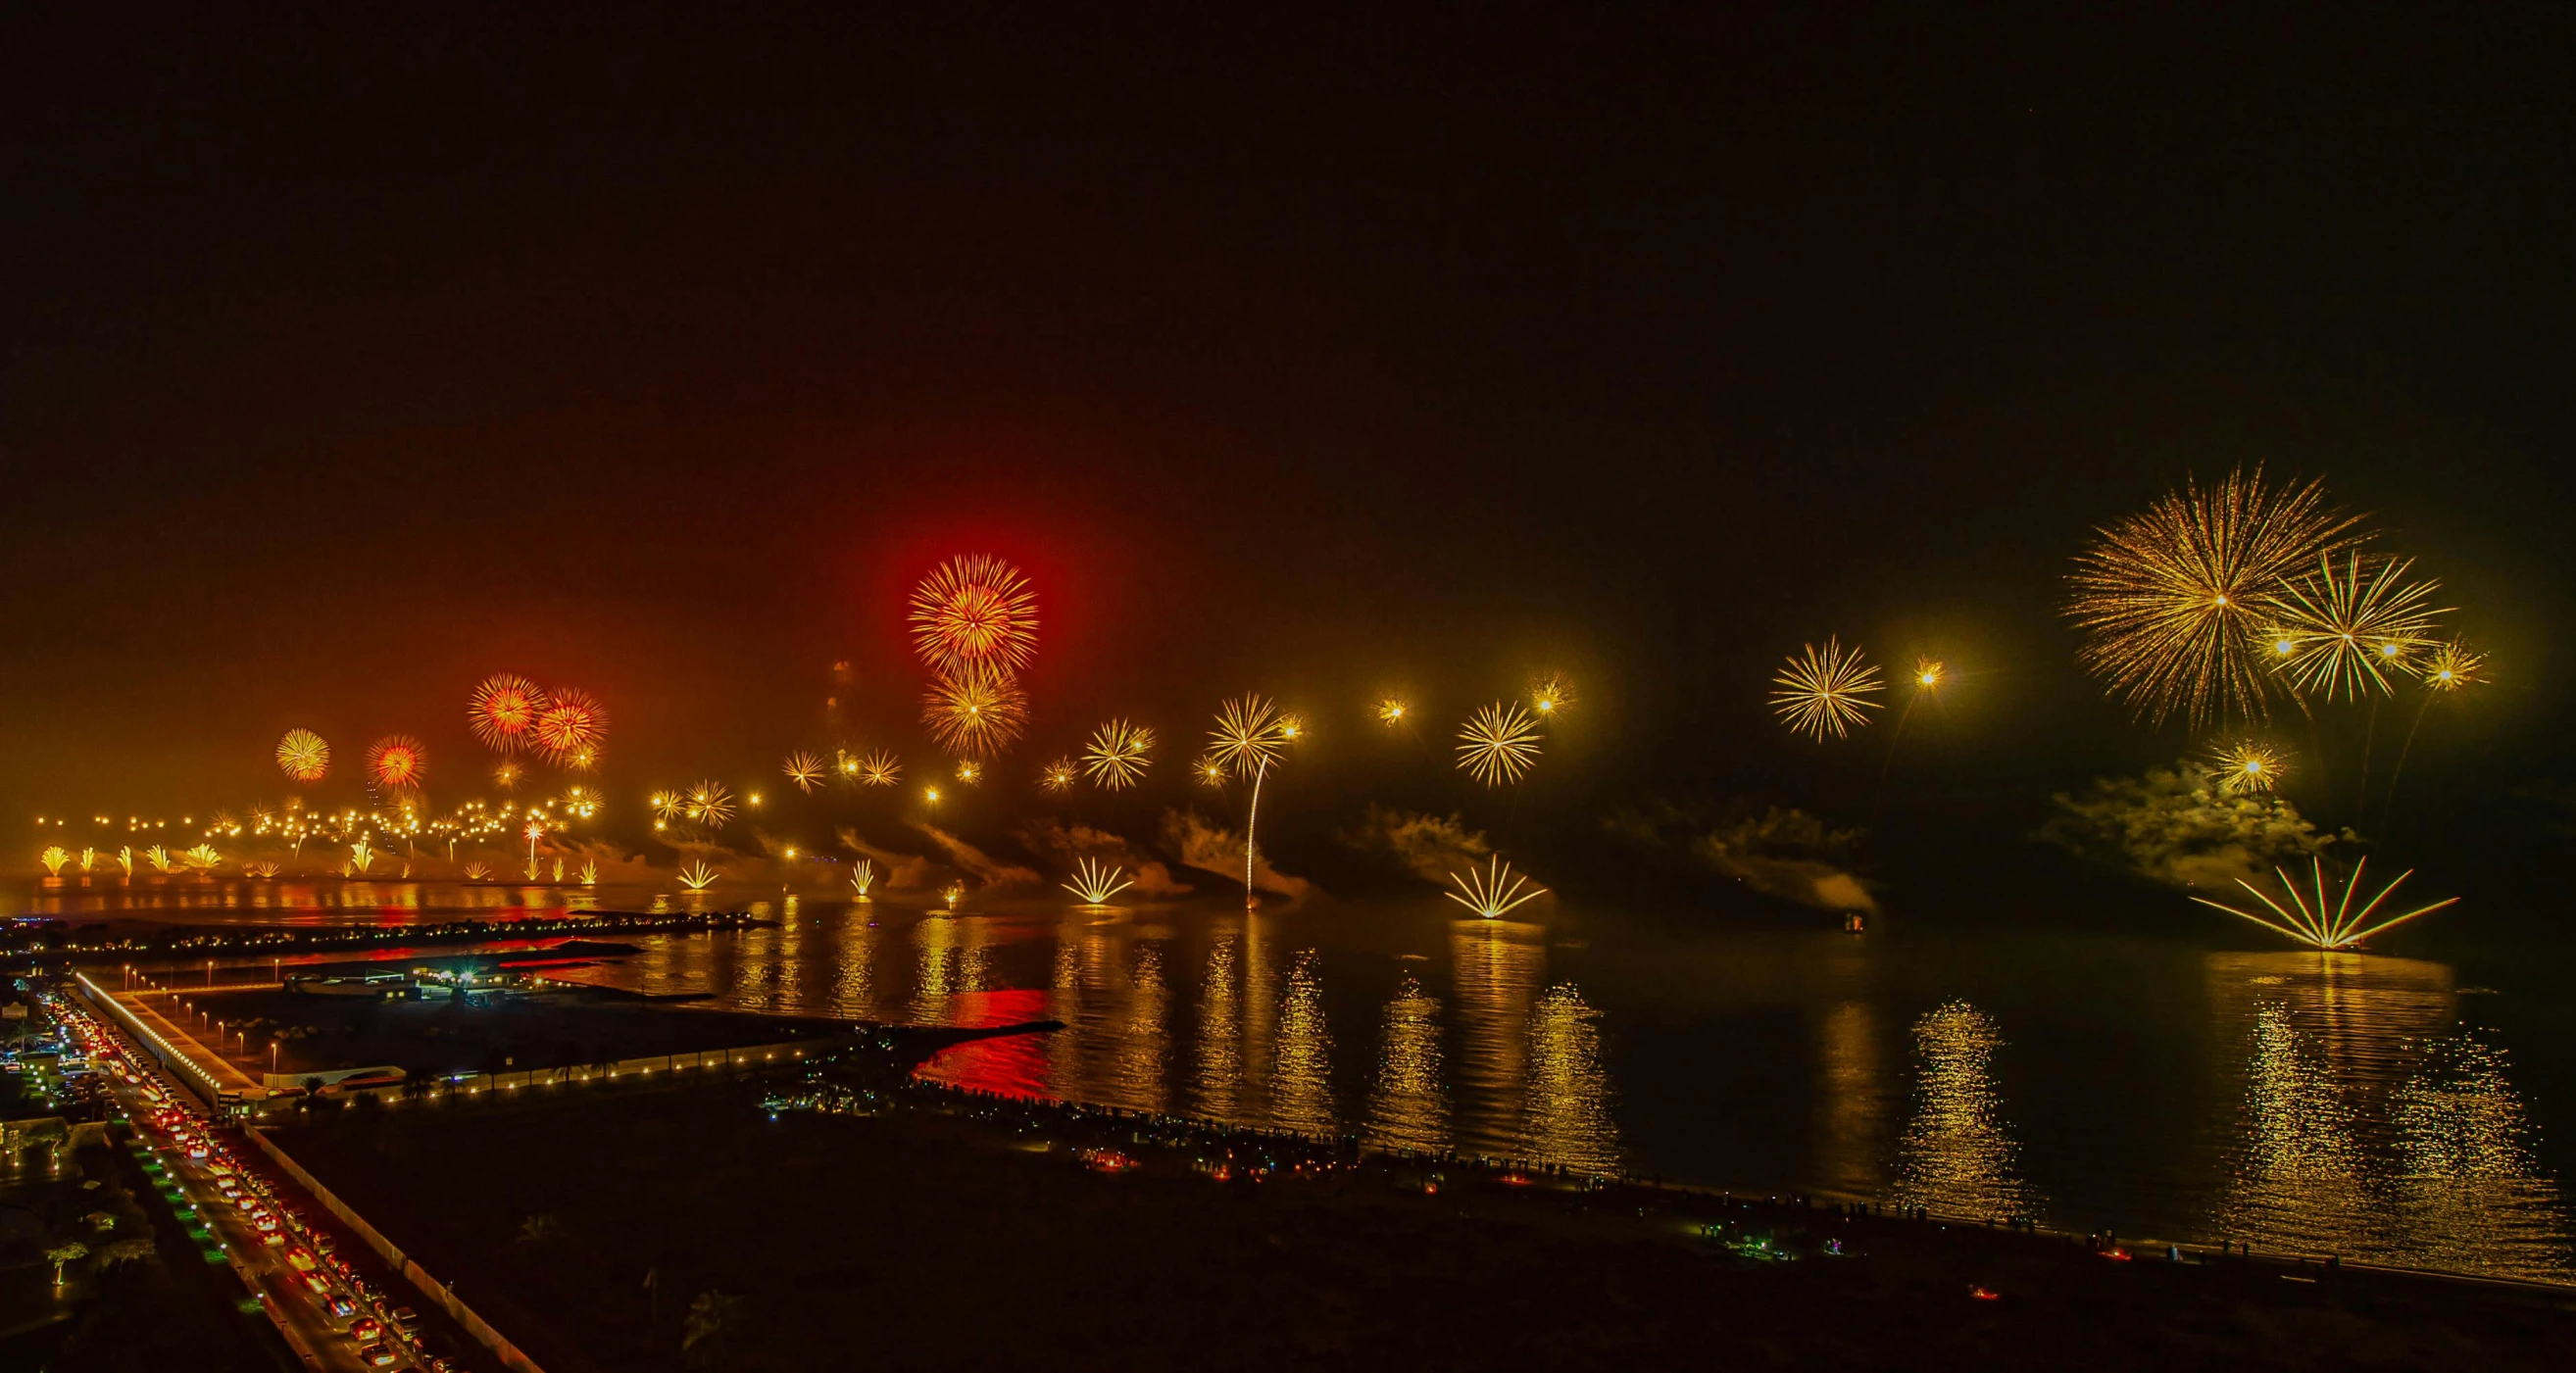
[[329, 1295]]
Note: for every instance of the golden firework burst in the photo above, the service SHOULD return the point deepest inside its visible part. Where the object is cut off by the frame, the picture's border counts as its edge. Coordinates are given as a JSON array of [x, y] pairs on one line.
[[1499, 745], [1494, 891], [1250, 734], [1391, 710], [1209, 772], [1118, 754], [709, 803], [1094, 883], [2250, 767], [1929, 674], [2453, 666], [863, 875], [571, 729], [2340, 631], [970, 772], [879, 769], [668, 805], [2170, 599], [1551, 695], [975, 612], [2320, 919], [503, 708], [804, 769], [397, 763], [303, 756], [1826, 692], [977, 712], [698, 876], [505, 775], [1059, 775]]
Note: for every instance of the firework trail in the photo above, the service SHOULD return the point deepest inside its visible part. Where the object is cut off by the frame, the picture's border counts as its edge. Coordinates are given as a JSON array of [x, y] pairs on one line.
[[1250, 735]]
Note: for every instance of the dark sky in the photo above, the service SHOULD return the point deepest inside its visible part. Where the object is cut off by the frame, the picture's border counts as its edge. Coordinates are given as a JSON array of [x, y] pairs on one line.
[[350, 358]]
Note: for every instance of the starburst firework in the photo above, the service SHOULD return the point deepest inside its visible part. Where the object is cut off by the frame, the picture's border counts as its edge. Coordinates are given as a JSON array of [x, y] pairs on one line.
[[1929, 674], [504, 707], [975, 611], [1494, 891], [970, 772], [2170, 598], [977, 712], [302, 756], [2453, 666], [1499, 745], [1826, 692], [1391, 709], [1094, 883], [571, 728], [506, 776], [2249, 767], [805, 770], [709, 803], [879, 769], [397, 763], [1059, 775], [1551, 695], [2339, 631], [1250, 735], [1118, 754], [2319, 919]]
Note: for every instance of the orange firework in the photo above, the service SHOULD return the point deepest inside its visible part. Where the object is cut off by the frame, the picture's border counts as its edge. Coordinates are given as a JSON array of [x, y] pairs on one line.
[[975, 612], [397, 762], [570, 729], [977, 712], [503, 709], [303, 756]]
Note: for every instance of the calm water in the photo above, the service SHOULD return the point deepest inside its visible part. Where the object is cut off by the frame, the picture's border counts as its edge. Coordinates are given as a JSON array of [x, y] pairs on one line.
[[2370, 1106]]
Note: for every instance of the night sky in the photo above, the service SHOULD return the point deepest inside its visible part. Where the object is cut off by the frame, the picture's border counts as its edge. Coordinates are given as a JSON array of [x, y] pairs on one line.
[[350, 359]]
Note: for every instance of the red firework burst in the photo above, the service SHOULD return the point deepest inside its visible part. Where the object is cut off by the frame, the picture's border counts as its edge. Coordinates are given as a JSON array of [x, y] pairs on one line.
[[975, 612], [571, 728], [503, 709], [397, 762]]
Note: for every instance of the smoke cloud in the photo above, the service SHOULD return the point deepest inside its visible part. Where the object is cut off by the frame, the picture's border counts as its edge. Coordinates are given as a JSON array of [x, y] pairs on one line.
[[903, 871], [974, 862], [1212, 849], [1429, 846], [1151, 876], [1784, 852], [2174, 828]]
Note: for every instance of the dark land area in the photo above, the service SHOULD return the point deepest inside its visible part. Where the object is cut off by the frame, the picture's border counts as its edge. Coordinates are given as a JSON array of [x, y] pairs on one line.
[[697, 1227]]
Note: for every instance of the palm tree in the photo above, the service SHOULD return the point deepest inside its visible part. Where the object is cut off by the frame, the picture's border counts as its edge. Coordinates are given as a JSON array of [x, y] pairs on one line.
[[75, 1251]]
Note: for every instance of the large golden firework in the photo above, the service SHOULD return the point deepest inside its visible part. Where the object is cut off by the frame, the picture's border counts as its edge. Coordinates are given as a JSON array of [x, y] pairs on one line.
[[2326, 921], [2247, 767], [571, 728], [1826, 692], [2339, 631], [2170, 599], [976, 611], [977, 712], [1249, 736], [1551, 695], [879, 769], [1499, 745], [303, 756], [503, 708], [709, 803], [2453, 666], [397, 763], [1117, 755], [1059, 775], [669, 805], [804, 769]]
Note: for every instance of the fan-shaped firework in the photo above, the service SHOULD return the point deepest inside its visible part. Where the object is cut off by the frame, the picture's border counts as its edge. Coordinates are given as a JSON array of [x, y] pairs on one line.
[[503, 709], [1551, 695], [1493, 892], [2338, 631], [975, 612], [2247, 767], [303, 756], [1499, 745], [698, 876], [1117, 755], [571, 728], [708, 803], [2170, 598], [2331, 922], [397, 763], [977, 712], [1094, 883], [804, 769], [1826, 692], [880, 769], [1059, 775], [2453, 666]]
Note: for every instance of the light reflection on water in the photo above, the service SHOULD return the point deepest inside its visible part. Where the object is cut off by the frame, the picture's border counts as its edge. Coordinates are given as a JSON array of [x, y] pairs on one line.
[[2329, 1104]]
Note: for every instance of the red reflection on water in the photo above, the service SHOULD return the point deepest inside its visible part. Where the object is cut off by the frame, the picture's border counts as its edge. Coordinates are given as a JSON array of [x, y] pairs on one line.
[[1014, 1065]]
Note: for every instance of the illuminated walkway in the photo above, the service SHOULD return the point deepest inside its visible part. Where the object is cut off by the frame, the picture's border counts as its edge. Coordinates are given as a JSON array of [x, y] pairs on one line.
[[206, 1071]]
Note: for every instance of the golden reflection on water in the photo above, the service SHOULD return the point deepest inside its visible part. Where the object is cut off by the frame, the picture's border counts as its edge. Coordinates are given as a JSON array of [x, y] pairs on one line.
[[1566, 1121], [1958, 1155], [1495, 966], [1408, 1106], [1144, 1056], [853, 967], [1301, 1090], [953, 955], [1851, 1101], [1220, 1062]]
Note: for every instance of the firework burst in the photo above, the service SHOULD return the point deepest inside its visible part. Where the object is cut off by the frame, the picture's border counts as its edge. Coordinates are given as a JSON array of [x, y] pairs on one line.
[[863, 875], [2339, 632], [1499, 745], [1929, 674], [397, 763], [2247, 768], [2169, 599], [302, 756], [2320, 919], [975, 612], [571, 728], [710, 804], [1117, 755], [506, 776], [1826, 692], [503, 708], [1250, 735], [1059, 775], [804, 769], [1096, 884], [698, 876], [1391, 710], [970, 772], [976, 712], [1494, 891], [879, 769], [2453, 666], [1551, 696]]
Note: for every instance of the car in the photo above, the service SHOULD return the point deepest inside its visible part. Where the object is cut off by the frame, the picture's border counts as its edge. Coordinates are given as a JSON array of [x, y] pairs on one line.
[[272, 1239], [406, 1319], [342, 1306], [320, 1286], [375, 1355], [302, 1262], [366, 1328]]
